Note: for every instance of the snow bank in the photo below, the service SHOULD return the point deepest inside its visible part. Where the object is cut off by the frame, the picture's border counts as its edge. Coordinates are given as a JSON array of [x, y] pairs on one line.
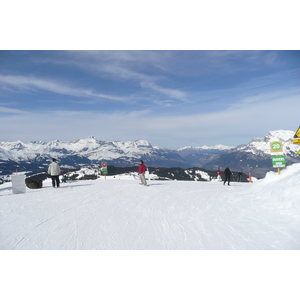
[[282, 190]]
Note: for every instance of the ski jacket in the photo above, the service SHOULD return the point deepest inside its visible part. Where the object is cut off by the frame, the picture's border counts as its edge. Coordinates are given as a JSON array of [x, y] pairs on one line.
[[54, 169], [142, 169], [227, 172]]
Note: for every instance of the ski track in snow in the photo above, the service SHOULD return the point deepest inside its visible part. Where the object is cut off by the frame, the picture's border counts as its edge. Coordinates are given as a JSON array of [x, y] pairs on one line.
[[123, 215]]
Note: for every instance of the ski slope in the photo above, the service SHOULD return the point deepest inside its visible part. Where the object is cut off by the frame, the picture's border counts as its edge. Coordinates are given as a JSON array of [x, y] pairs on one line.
[[117, 213]]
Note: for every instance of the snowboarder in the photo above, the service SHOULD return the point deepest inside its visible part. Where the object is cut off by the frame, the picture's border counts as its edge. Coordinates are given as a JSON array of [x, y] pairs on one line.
[[54, 171], [219, 178], [227, 174], [141, 171]]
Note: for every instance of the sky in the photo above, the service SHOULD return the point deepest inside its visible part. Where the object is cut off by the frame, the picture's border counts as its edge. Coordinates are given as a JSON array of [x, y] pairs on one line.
[[173, 98], [200, 74]]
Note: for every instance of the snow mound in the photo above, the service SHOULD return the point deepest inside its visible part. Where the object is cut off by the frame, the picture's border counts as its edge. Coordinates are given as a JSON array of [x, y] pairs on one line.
[[283, 189]]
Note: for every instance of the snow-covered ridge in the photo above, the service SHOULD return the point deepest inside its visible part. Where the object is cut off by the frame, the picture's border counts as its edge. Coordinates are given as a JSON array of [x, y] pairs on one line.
[[90, 148], [216, 147], [261, 146]]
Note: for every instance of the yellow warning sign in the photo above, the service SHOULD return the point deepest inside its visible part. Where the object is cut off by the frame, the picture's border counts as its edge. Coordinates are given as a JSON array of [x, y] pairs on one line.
[[296, 141], [298, 152], [297, 133]]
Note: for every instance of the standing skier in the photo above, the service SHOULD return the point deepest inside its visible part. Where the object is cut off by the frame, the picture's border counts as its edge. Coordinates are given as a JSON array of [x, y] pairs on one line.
[[219, 178], [141, 171], [54, 171], [227, 174]]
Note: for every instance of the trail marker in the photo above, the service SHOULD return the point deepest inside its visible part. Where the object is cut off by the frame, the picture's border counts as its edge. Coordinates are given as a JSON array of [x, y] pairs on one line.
[[278, 161], [104, 169], [276, 148]]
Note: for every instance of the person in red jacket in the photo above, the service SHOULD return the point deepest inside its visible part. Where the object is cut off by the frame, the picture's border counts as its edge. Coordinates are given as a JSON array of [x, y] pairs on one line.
[[219, 178], [141, 171]]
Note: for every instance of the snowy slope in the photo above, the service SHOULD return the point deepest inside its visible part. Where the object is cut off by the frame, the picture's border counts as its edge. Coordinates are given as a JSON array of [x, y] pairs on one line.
[[118, 213]]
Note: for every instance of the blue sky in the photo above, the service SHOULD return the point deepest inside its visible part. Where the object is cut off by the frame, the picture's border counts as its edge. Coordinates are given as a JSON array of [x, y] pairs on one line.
[[170, 98]]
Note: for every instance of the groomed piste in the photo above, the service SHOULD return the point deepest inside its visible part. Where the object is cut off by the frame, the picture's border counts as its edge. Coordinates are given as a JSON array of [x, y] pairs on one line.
[[117, 213]]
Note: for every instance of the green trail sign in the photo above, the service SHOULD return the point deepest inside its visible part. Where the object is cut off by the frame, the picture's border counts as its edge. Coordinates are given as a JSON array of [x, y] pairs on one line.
[[278, 161], [104, 168]]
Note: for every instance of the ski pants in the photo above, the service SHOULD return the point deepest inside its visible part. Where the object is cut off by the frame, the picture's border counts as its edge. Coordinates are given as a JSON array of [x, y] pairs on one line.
[[55, 179], [227, 178], [143, 179]]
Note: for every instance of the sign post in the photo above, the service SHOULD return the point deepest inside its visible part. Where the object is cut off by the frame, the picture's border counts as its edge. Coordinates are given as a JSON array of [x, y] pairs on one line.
[[278, 161], [104, 169]]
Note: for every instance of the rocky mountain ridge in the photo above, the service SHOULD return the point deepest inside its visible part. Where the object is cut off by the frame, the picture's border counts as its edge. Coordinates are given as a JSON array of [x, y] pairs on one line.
[[254, 157], [87, 152]]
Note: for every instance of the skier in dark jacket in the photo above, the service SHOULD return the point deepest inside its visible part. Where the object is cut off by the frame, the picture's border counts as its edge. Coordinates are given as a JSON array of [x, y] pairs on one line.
[[227, 174]]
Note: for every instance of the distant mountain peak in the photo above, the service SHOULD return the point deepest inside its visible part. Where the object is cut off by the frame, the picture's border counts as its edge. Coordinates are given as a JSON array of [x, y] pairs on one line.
[[279, 135], [261, 146], [216, 147]]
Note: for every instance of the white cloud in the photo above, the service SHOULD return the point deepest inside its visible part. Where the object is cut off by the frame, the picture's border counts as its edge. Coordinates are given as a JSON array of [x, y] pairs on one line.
[[232, 127]]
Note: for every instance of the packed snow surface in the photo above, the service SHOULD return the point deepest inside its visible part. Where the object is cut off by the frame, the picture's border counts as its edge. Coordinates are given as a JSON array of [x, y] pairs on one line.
[[119, 213]]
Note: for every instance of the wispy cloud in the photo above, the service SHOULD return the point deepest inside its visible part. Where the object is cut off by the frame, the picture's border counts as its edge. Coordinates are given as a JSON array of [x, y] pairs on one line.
[[31, 83], [171, 93], [12, 110], [147, 68]]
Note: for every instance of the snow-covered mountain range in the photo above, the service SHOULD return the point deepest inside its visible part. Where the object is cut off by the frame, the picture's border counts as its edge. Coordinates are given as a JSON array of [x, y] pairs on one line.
[[253, 157], [86, 152]]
